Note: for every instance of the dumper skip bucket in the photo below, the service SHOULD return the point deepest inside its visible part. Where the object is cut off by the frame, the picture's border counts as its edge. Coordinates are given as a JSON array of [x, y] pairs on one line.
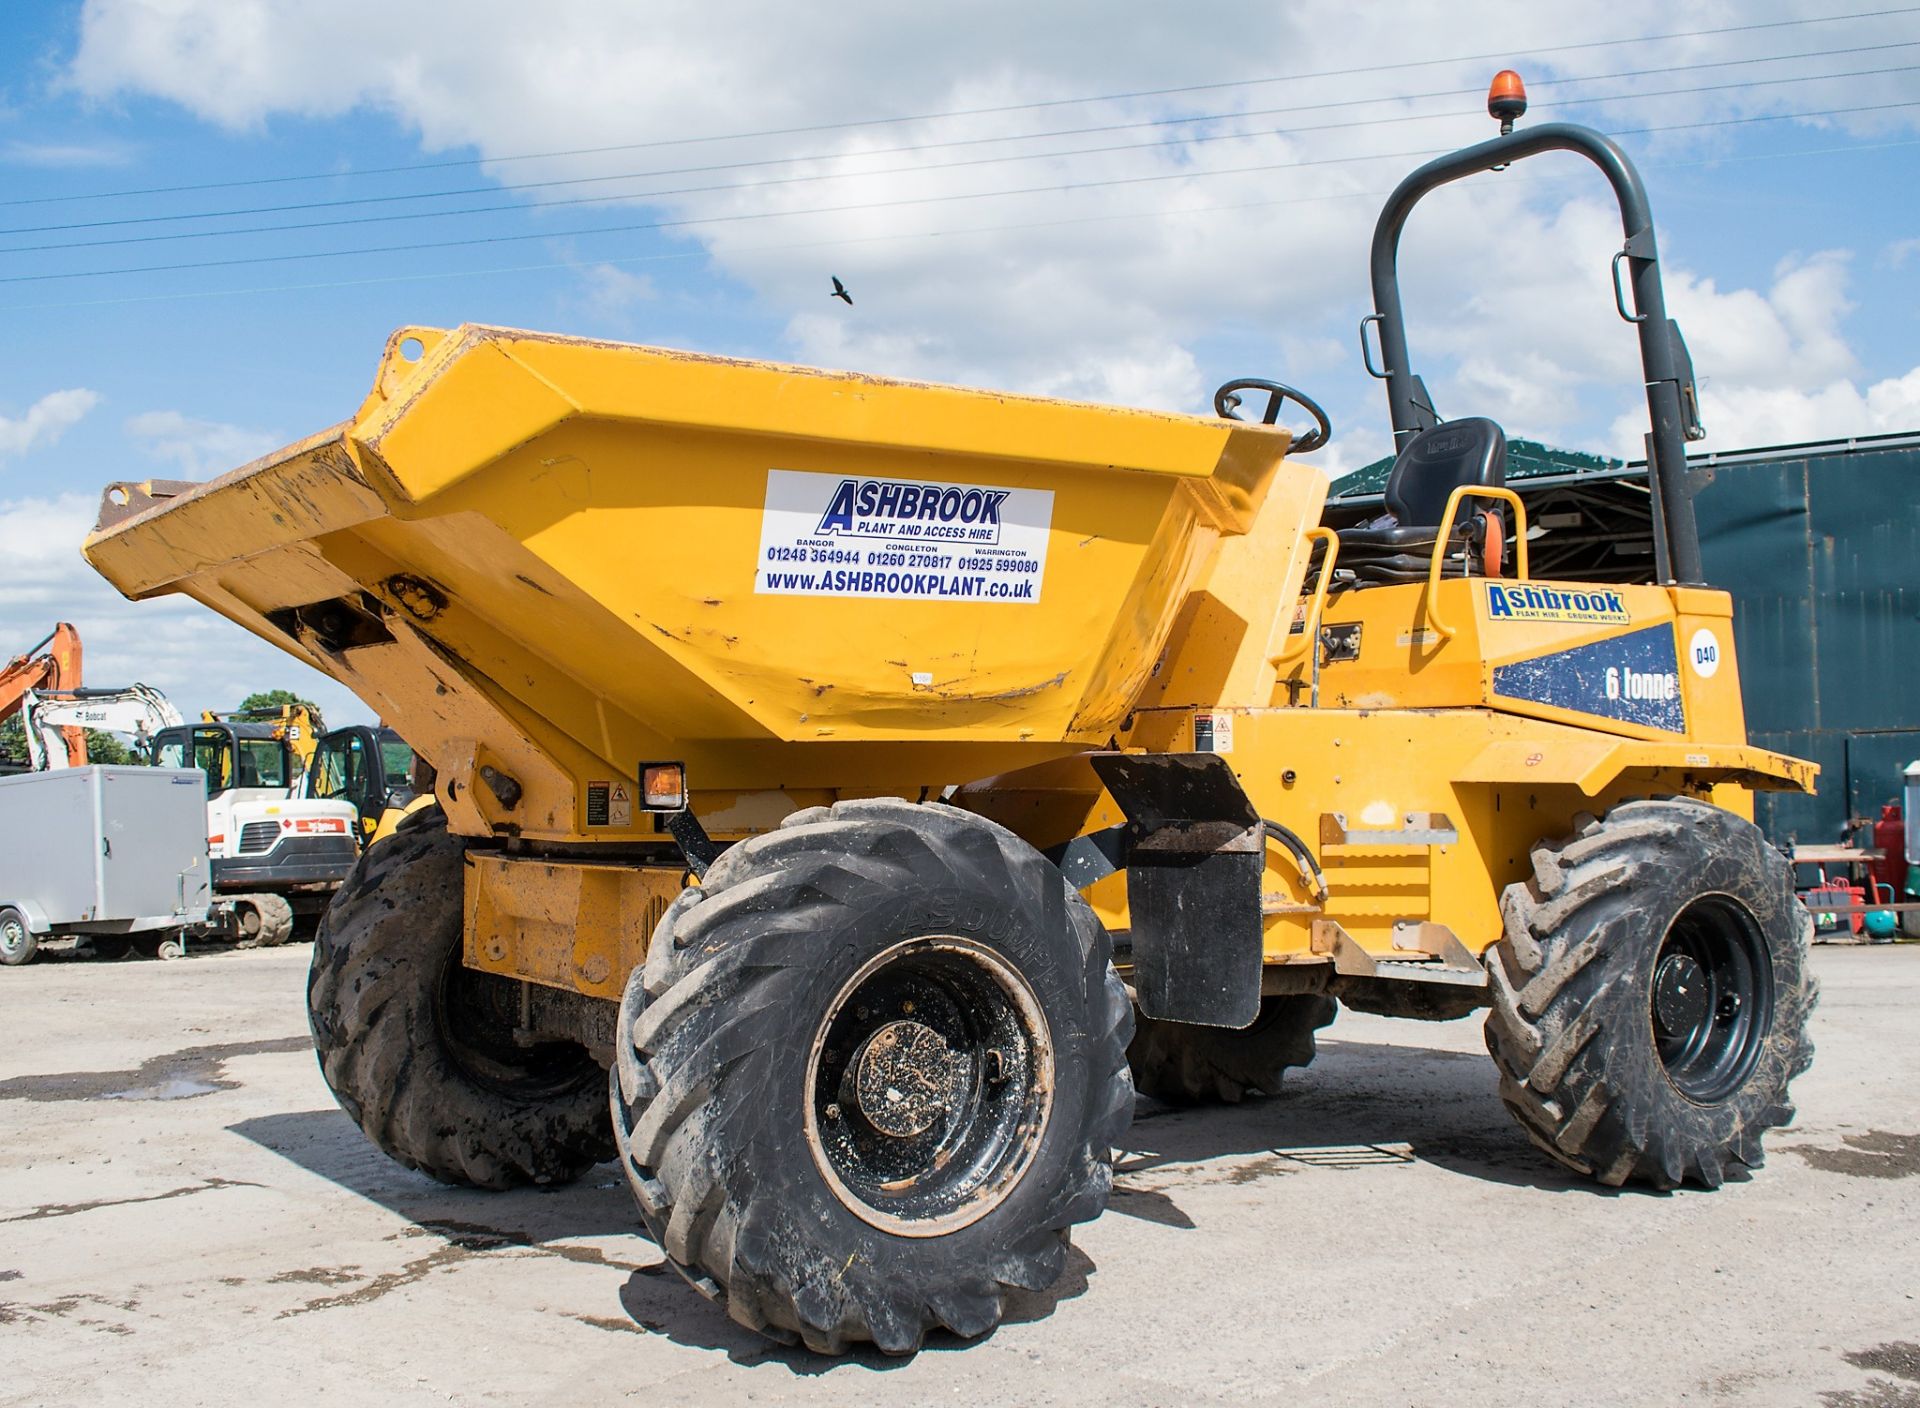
[[601, 553]]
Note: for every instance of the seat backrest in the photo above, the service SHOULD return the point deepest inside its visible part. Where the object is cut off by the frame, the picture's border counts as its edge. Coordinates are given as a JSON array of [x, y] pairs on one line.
[[1439, 460]]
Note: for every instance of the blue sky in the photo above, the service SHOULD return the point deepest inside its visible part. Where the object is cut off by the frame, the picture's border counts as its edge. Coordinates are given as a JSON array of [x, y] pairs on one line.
[[1789, 228]]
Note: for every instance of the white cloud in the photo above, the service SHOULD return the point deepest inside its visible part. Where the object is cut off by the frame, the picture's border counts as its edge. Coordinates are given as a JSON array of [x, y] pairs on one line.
[[198, 659], [46, 420], [199, 447], [1773, 368], [65, 155], [612, 289], [1106, 290]]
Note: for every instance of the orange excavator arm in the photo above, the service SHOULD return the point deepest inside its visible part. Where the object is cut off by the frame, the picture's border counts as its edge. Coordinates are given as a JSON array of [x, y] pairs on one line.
[[49, 664]]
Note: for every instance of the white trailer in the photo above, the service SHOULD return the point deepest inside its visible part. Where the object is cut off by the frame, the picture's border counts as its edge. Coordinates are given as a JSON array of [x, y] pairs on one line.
[[116, 853]]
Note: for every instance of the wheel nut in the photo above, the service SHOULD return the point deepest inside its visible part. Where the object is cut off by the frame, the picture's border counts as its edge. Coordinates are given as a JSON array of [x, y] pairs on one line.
[[832, 1111], [907, 1007]]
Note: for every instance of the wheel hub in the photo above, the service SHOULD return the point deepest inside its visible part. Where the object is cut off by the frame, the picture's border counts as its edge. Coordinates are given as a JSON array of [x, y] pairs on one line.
[[929, 1085], [904, 1078], [1711, 1004], [1679, 994]]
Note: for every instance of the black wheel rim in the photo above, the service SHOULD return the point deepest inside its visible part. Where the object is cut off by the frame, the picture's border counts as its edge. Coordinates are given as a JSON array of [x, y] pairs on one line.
[[929, 1086], [1711, 1003]]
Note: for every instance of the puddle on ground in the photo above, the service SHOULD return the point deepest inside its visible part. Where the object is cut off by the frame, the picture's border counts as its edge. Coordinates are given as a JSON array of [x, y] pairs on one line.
[[1875, 1154], [178, 1075], [46, 1210], [1901, 1359], [178, 1088]]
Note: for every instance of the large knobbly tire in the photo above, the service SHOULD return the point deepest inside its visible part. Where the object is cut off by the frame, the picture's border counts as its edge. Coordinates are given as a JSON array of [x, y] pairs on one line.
[[266, 920], [419, 1050], [774, 990], [1651, 995], [1189, 1065]]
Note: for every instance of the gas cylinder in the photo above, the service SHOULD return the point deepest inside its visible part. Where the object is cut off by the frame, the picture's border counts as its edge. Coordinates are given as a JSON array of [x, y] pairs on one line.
[[1890, 839]]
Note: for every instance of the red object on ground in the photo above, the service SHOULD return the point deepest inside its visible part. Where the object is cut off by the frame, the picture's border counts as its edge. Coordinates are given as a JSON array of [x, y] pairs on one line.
[[1890, 839]]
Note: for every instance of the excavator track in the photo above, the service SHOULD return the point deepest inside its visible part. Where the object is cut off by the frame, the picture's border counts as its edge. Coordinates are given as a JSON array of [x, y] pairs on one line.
[[262, 921]]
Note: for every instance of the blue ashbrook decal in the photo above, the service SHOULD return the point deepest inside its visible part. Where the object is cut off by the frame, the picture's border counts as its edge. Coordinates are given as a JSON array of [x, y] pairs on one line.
[[1634, 678]]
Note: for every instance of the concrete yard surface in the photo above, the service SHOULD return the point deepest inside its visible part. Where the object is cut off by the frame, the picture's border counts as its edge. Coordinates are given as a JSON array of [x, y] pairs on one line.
[[187, 1218]]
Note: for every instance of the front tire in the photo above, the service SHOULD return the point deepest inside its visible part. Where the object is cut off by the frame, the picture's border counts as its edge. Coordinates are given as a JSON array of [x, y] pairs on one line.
[[1651, 995], [872, 1072], [419, 1049]]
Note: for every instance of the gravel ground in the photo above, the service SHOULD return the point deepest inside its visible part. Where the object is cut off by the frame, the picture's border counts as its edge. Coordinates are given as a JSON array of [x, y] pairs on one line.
[[185, 1215]]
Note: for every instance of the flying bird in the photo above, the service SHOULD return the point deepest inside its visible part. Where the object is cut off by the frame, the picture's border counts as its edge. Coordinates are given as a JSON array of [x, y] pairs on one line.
[[840, 292]]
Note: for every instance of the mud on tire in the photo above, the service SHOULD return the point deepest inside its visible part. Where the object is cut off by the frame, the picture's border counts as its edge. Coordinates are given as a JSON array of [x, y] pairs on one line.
[[419, 1050], [1651, 995], [734, 1041], [1189, 1065]]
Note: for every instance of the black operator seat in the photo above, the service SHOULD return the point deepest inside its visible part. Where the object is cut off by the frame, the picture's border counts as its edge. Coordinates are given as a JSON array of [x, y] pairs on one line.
[[1399, 546]]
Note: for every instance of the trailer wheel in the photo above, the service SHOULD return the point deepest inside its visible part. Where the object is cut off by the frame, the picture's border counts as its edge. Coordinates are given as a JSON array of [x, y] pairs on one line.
[[420, 1050], [871, 1074], [1651, 995], [264, 921], [18, 943], [1190, 1065]]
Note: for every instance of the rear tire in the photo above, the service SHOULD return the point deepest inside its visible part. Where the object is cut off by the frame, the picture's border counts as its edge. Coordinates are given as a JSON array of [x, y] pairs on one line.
[[419, 1049], [1651, 995], [18, 943], [872, 1072], [1189, 1065]]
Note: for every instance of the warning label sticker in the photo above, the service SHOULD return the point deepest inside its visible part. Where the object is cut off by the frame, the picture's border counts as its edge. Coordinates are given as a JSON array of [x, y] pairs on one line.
[[1213, 733], [905, 539], [609, 804]]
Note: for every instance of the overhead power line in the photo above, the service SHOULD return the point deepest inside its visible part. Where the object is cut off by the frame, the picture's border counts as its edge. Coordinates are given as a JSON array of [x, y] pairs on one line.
[[1193, 119], [837, 241], [1033, 106], [744, 216]]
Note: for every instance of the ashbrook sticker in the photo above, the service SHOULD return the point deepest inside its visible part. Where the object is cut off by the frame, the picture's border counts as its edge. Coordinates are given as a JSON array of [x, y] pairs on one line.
[[1528, 603], [908, 539], [1634, 678]]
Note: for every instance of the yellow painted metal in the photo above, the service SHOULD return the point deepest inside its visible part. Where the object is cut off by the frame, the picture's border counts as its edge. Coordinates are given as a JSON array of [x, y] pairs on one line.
[[1437, 559], [293, 724], [538, 557], [1309, 620], [570, 925], [1504, 781], [390, 818], [555, 543]]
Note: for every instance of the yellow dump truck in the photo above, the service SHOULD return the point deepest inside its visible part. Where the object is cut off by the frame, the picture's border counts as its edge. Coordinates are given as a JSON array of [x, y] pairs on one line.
[[841, 763]]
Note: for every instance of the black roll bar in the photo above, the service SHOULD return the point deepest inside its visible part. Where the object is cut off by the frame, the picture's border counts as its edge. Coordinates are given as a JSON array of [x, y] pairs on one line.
[[1671, 399]]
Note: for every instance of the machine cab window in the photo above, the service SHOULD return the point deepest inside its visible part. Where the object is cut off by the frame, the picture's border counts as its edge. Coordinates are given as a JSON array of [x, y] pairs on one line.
[[228, 759]]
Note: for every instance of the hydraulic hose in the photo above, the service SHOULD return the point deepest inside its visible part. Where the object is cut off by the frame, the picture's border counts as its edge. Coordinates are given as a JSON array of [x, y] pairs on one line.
[[1310, 873]]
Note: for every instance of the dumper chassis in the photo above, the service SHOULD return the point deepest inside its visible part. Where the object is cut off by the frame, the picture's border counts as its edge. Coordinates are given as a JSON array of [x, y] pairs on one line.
[[852, 791]]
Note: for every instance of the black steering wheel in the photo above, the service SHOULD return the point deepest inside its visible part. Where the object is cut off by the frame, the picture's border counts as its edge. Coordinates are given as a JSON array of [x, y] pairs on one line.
[[1226, 402]]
